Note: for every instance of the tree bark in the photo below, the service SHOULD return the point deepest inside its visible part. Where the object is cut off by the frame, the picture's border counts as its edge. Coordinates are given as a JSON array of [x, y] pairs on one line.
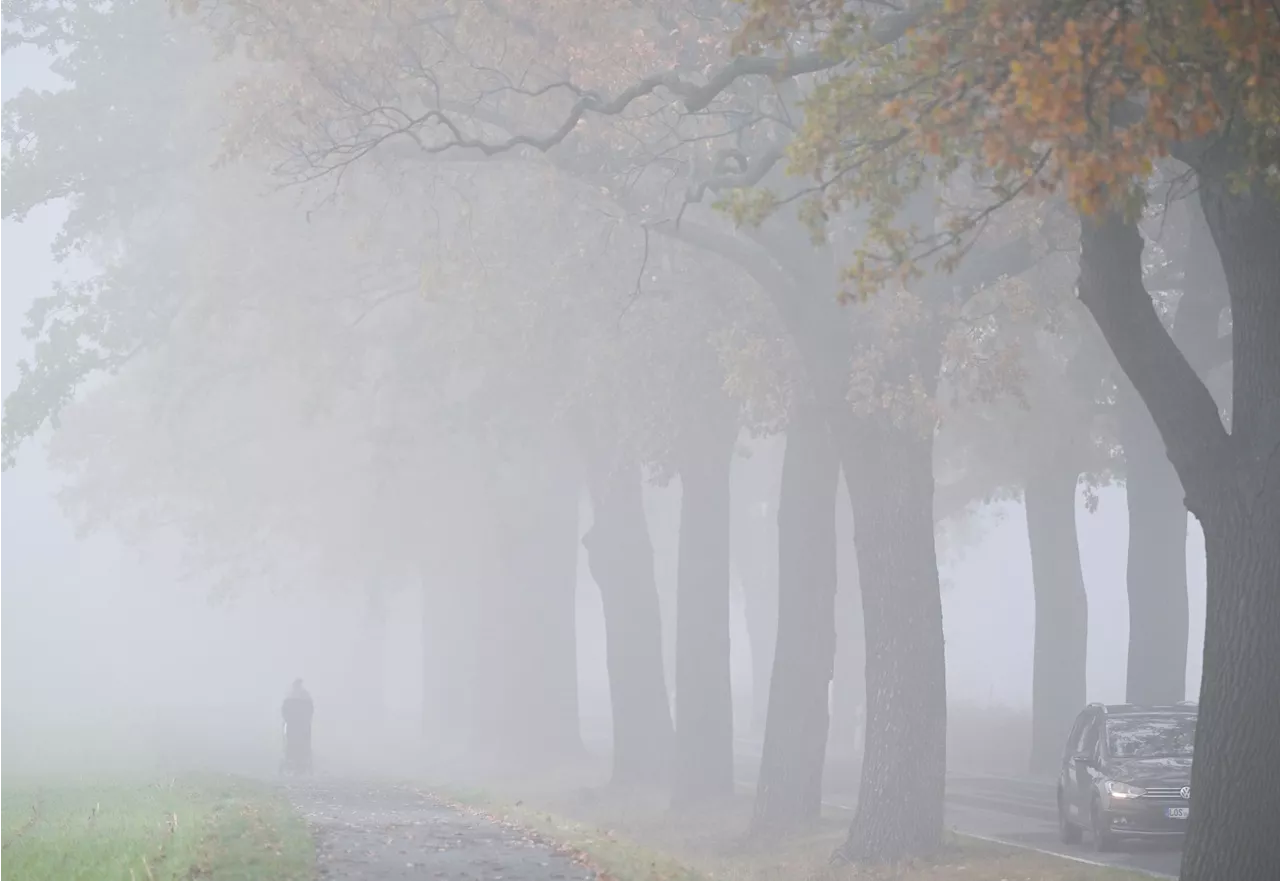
[[789, 790], [1062, 611], [620, 556], [1235, 802], [704, 704], [1157, 564], [900, 795], [1232, 484], [1235, 796]]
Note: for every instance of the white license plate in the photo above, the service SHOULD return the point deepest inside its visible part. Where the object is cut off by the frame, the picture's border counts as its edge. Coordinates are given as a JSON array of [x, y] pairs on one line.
[[1177, 813]]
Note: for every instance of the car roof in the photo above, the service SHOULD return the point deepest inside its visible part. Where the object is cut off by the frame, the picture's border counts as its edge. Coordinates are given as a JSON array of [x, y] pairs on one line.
[[1185, 708]]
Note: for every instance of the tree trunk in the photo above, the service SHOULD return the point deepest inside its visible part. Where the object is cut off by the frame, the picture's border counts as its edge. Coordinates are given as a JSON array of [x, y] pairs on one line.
[[1232, 484], [758, 593], [449, 632], [755, 558], [789, 790], [370, 695], [704, 704], [543, 570], [1236, 496], [1157, 570], [1236, 797], [525, 705], [662, 514], [620, 556], [849, 689], [1062, 611], [900, 795]]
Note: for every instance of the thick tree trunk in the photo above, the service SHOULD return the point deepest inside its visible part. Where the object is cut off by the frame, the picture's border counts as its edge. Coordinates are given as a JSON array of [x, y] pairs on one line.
[[1236, 496], [543, 569], [447, 674], [620, 557], [662, 513], [789, 790], [369, 660], [1157, 570], [525, 705], [758, 593], [1235, 791], [849, 689], [1232, 483], [704, 704], [755, 559], [1062, 611], [900, 796]]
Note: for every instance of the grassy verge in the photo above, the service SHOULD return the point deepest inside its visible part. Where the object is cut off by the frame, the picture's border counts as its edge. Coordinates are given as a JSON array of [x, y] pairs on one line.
[[638, 840], [212, 829]]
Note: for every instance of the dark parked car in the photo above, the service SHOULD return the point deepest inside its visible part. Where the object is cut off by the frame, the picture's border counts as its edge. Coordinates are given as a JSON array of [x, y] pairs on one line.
[[1127, 774]]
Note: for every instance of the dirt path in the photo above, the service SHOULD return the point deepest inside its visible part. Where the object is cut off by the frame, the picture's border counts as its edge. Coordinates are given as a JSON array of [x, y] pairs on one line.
[[386, 833]]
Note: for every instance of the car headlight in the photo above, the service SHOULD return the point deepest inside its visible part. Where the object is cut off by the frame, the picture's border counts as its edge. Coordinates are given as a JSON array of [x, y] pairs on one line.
[[1115, 789]]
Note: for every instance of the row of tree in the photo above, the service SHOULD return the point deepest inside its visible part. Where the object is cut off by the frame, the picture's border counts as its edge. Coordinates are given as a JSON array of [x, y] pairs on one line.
[[495, 280]]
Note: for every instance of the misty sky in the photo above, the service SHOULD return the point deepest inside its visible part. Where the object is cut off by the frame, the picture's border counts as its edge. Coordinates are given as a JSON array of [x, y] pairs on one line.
[[92, 630]]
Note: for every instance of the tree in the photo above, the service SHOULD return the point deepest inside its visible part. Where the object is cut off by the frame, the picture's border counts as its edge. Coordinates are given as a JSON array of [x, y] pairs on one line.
[[358, 81], [1157, 577], [754, 545], [1086, 97], [789, 791], [1037, 408]]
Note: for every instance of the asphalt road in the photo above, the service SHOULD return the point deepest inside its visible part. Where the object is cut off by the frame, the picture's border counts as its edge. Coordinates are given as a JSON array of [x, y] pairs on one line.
[[371, 832], [1025, 813], [1018, 812]]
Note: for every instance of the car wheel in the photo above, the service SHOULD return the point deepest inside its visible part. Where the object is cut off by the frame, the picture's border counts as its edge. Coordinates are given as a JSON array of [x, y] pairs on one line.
[[1069, 832], [1103, 839]]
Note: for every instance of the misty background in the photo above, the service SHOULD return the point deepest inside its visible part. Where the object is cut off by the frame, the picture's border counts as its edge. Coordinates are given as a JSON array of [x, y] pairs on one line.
[[113, 653]]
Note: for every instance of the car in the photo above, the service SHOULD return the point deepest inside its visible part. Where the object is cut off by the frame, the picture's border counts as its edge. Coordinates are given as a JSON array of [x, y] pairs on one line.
[[1126, 773]]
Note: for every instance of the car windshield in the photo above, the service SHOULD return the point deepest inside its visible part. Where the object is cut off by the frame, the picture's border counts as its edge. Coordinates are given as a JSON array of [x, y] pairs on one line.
[[1151, 737]]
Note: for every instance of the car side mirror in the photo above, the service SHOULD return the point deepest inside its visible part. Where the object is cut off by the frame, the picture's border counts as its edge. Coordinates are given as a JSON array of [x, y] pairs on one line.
[[1082, 758]]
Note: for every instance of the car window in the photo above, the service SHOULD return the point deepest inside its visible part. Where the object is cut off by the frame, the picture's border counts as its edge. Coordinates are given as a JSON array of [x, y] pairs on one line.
[[1151, 736], [1077, 735]]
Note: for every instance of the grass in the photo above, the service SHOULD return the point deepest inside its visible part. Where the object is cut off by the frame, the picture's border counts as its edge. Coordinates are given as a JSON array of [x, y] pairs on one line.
[[215, 829], [639, 840]]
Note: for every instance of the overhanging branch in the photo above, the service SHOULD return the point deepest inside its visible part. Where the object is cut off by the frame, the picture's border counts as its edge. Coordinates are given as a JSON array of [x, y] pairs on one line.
[[1185, 413]]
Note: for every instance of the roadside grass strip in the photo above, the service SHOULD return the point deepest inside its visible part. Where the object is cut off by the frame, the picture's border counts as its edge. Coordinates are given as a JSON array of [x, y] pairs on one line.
[[622, 843], [217, 829]]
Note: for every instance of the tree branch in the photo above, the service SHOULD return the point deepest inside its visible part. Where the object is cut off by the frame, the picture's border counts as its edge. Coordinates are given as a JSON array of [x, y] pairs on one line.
[[1185, 413]]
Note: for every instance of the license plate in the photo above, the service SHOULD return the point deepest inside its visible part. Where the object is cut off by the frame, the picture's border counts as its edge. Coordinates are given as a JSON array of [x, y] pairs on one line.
[[1177, 813]]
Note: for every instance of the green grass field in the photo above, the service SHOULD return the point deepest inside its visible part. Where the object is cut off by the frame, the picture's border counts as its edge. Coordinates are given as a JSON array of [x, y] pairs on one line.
[[218, 829]]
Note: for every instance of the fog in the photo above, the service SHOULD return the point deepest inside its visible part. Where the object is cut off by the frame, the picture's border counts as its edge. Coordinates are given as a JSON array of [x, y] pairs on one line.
[[650, 398], [116, 655]]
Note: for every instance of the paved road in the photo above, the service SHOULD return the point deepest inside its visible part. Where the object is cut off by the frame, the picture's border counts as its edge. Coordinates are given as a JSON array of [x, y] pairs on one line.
[[1018, 812], [1024, 812], [388, 833]]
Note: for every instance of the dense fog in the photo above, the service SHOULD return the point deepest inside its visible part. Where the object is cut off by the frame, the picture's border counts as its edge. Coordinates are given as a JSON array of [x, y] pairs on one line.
[[119, 653], [761, 403]]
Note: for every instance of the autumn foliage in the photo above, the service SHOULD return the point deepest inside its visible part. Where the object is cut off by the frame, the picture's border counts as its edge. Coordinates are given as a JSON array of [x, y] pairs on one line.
[[1008, 97]]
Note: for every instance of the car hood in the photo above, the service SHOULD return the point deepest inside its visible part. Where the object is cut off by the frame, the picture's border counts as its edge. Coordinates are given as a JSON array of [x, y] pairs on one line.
[[1153, 772]]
